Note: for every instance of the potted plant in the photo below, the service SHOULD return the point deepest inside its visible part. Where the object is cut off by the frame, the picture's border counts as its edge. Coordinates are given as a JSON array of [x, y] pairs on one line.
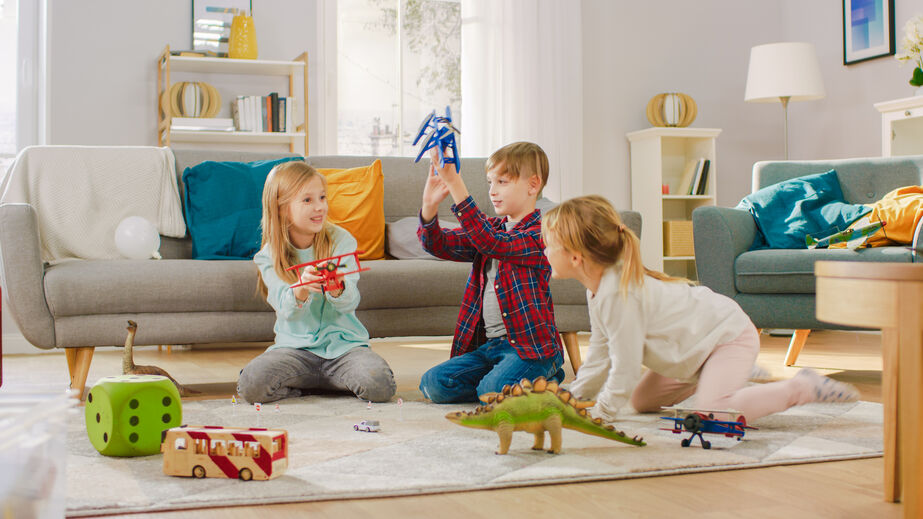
[[912, 47]]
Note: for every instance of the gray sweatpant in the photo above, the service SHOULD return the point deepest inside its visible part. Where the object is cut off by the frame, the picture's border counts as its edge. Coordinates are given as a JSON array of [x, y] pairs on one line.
[[284, 372]]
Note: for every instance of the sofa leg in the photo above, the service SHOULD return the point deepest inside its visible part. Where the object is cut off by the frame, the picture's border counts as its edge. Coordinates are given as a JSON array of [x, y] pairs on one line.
[[794, 347], [78, 364], [573, 349], [169, 348]]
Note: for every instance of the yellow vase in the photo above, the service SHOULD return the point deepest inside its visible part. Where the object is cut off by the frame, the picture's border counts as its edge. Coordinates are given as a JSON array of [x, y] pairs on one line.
[[242, 41]]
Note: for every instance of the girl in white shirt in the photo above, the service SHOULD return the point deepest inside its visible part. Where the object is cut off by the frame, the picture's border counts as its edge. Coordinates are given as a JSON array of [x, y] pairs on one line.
[[692, 340]]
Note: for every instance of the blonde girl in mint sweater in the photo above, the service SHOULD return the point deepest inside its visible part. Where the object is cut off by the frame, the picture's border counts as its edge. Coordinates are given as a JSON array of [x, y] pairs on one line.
[[692, 340], [320, 344]]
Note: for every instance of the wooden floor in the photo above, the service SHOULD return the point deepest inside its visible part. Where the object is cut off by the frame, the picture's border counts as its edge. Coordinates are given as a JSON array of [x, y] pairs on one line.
[[837, 489]]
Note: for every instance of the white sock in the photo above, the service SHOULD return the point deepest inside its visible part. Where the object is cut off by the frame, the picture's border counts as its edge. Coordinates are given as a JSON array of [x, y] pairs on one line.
[[827, 390], [760, 374]]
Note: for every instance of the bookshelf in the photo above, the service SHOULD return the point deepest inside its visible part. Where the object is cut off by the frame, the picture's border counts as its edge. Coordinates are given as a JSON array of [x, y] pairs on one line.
[[662, 156], [296, 71]]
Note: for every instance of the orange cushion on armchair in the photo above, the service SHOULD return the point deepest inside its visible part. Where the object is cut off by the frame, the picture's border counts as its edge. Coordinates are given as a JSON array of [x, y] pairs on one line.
[[356, 199]]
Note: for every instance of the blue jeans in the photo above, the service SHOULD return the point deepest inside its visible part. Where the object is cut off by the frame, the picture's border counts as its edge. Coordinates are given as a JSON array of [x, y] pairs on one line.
[[487, 369]]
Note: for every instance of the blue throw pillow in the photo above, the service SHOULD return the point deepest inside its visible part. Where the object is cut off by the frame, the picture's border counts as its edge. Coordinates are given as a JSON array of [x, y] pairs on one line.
[[224, 204], [788, 211]]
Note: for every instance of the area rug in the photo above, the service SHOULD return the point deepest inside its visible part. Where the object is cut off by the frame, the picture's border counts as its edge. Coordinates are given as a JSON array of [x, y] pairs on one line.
[[418, 451]]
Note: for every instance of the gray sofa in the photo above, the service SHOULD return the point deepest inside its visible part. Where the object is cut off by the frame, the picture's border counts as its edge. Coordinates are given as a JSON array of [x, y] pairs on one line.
[[776, 287], [80, 305]]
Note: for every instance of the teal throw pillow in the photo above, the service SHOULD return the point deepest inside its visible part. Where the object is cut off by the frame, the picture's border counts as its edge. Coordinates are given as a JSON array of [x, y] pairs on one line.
[[788, 211], [224, 203]]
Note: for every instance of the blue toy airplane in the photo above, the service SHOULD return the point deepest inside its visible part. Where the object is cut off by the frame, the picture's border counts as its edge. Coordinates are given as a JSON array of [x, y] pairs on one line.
[[852, 237], [440, 134], [698, 422]]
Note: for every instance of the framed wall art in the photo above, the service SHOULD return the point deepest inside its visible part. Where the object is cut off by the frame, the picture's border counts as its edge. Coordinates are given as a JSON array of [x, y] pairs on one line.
[[211, 24], [868, 30]]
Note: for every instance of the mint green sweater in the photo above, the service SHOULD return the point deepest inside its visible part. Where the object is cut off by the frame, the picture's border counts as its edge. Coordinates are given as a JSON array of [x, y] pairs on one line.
[[324, 325]]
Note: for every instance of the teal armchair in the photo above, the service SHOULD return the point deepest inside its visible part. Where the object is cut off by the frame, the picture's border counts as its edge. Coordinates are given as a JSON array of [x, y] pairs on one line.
[[775, 287]]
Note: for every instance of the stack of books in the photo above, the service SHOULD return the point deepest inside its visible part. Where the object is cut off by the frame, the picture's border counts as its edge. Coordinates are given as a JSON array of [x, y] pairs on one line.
[[269, 113], [695, 178], [211, 124]]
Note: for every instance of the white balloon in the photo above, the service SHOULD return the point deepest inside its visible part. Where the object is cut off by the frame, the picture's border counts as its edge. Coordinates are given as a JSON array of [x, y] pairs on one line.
[[137, 238]]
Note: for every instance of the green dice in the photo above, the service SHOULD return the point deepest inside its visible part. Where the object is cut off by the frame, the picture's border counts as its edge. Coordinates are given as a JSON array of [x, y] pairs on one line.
[[125, 415]]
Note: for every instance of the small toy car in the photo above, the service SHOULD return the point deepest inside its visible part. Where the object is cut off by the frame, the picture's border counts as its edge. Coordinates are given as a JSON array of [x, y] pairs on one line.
[[367, 426]]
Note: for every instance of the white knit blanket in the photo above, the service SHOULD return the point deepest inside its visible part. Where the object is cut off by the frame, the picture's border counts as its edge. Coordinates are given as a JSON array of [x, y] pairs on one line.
[[81, 193]]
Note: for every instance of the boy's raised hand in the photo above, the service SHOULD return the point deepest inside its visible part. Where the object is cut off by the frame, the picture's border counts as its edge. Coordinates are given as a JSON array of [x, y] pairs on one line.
[[434, 192], [446, 172], [450, 177]]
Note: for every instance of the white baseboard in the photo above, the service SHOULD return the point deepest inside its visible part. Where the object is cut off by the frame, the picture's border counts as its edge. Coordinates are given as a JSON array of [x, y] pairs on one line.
[[16, 344]]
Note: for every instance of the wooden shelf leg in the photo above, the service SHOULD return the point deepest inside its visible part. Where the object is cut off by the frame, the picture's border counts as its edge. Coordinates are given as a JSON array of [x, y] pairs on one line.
[[78, 364], [794, 347], [573, 349]]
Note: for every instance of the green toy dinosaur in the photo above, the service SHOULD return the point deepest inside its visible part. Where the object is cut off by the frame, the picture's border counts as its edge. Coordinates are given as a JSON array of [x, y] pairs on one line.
[[537, 407]]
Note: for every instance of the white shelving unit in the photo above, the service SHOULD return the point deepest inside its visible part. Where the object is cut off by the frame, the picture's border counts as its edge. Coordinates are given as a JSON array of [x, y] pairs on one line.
[[901, 126], [297, 68], [660, 156]]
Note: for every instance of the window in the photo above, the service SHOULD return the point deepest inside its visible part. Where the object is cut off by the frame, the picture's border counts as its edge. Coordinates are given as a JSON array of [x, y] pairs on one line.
[[8, 76], [397, 60]]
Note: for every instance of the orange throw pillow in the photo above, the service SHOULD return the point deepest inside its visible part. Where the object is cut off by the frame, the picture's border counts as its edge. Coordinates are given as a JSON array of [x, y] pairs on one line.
[[356, 199]]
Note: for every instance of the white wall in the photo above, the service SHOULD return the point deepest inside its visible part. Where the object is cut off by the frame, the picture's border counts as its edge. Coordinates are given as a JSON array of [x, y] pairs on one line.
[[102, 60], [633, 51]]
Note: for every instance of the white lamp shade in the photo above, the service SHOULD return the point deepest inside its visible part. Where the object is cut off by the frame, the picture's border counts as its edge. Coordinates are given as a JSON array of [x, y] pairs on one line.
[[783, 70]]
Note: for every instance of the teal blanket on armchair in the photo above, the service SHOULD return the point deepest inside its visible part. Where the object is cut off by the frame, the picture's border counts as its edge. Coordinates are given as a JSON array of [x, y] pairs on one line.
[[788, 211]]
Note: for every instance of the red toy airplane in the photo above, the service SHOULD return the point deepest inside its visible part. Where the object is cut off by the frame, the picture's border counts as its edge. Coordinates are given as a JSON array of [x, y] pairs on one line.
[[699, 421], [328, 271]]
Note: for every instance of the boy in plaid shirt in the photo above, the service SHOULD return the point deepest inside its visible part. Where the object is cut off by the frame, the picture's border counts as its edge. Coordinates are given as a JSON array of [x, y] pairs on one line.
[[505, 330]]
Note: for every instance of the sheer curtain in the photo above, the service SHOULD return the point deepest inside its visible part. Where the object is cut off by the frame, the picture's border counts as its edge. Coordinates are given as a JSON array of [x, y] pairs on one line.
[[522, 80]]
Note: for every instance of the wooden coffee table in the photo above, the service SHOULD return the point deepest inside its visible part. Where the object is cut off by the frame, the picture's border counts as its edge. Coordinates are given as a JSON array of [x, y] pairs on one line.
[[888, 296]]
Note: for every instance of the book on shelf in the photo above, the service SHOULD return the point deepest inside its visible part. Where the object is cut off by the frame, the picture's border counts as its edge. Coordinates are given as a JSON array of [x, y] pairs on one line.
[[274, 112], [685, 183], [282, 114], [214, 124], [699, 166], [702, 183]]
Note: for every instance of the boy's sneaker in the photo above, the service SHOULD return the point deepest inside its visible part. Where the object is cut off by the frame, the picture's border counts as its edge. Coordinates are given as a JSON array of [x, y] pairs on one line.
[[827, 390], [760, 374]]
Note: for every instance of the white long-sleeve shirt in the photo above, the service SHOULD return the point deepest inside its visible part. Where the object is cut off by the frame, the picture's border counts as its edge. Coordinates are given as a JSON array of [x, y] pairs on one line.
[[669, 327]]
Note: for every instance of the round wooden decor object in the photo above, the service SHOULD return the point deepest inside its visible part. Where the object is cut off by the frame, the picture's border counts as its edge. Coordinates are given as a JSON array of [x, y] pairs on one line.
[[671, 109], [214, 100]]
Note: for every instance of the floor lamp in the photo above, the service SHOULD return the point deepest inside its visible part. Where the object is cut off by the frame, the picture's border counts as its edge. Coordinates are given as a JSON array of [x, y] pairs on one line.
[[784, 72]]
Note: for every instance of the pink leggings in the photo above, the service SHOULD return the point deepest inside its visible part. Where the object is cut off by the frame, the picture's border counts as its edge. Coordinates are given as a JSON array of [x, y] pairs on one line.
[[722, 384]]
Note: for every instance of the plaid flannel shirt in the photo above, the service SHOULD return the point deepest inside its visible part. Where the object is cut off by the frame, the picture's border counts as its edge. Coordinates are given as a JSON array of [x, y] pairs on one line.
[[522, 279]]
